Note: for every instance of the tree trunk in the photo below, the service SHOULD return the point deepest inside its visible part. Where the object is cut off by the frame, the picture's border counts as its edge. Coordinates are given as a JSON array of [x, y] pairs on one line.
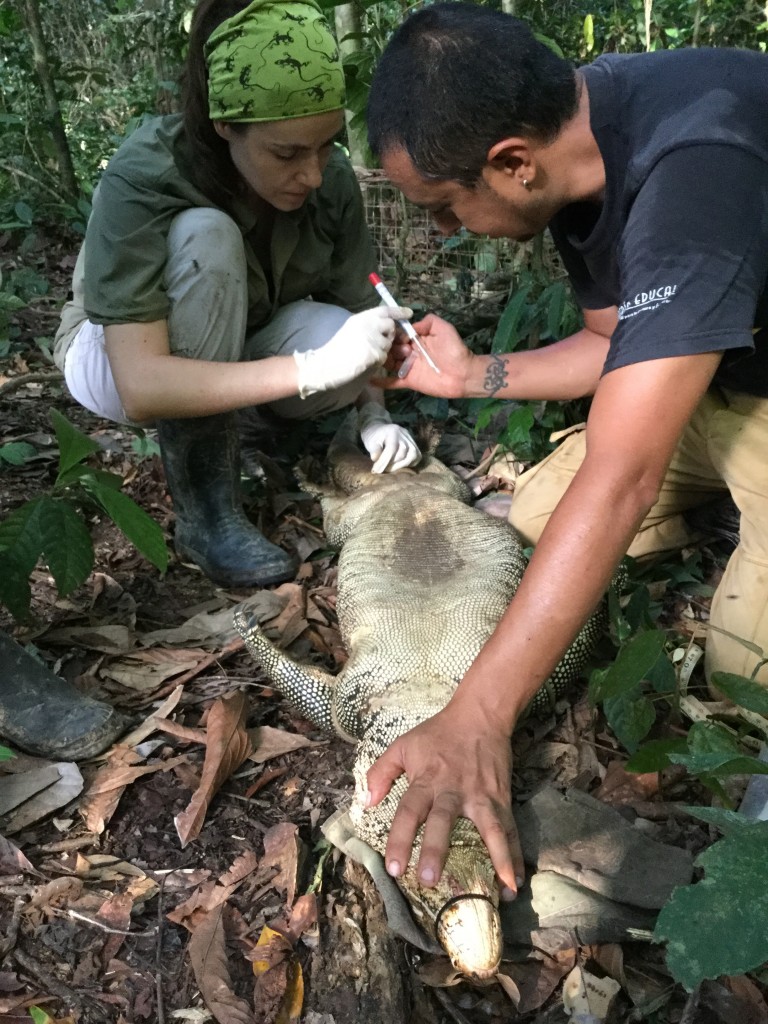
[[52, 108], [349, 22]]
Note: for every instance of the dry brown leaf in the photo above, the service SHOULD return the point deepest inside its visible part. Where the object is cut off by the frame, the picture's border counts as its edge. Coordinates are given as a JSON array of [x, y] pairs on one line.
[[68, 786], [303, 916], [242, 866], [182, 732], [208, 956], [103, 795], [227, 746], [108, 639], [269, 742], [281, 850], [12, 860], [291, 622], [264, 780], [510, 988], [148, 670], [116, 913], [621, 788], [534, 980], [140, 733]]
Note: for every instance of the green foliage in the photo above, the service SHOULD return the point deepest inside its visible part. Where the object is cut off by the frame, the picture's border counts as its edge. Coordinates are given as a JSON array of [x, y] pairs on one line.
[[5, 753], [51, 526], [717, 925]]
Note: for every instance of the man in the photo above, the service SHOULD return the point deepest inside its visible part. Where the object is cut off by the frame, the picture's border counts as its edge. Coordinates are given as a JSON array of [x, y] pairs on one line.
[[651, 172]]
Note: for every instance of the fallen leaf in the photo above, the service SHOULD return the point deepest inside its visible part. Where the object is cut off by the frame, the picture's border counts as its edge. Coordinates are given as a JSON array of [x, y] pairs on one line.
[[227, 746], [208, 957], [148, 670], [103, 795], [68, 786], [12, 860], [291, 622], [621, 788], [140, 733], [108, 639], [21, 787], [116, 913], [269, 743], [281, 850]]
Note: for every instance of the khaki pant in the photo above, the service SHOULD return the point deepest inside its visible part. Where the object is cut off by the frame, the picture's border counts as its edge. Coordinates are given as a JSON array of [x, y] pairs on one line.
[[724, 447]]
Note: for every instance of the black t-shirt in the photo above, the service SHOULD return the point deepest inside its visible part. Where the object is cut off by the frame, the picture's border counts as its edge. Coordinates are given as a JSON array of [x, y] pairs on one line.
[[680, 243]]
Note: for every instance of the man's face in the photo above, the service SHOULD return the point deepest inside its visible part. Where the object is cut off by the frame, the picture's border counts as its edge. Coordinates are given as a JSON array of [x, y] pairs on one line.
[[498, 205]]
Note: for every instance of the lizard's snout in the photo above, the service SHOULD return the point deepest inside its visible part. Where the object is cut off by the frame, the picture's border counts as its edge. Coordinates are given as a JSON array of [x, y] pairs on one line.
[[469, 930]]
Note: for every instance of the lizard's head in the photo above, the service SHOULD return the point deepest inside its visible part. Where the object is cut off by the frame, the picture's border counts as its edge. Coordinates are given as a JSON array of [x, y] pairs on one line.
[[461, 911]]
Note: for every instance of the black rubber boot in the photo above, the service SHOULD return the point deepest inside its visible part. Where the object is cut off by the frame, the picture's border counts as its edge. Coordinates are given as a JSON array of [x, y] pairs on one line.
[[45, 715], [202, 467]]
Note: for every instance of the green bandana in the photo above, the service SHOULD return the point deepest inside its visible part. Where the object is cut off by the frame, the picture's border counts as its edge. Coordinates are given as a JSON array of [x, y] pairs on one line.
[[273, 61]]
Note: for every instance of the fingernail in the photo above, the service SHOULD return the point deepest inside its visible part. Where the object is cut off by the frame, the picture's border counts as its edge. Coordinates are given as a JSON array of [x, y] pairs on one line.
[[365, 797], [427, 876], [520, 881], [394, 868], [508, 894]]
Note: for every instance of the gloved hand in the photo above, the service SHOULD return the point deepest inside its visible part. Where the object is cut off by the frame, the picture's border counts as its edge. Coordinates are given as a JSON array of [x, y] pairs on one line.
[[390, 447], [360, 344]]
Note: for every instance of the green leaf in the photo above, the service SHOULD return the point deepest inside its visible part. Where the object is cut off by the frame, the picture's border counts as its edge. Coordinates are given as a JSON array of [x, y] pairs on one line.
[[138, 527], [6, 754], [720, 765], [725, 820], [67, 546], [518, 429], [21, 534], [631, 716], [508, 336], [742, 691], [15, 592], [654, 755], [74, 445], [717, 926], [712, 738], [16, 453], [633, 663]]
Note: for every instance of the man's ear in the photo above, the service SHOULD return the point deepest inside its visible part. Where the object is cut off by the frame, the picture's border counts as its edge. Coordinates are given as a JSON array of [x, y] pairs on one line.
[[511, 156], [223, 129]]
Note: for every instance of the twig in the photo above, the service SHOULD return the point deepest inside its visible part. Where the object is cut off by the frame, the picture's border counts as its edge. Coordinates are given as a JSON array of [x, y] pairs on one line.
[[159, 954], [13, 383], [105, 928], [7, 943], [68, 996], [231, 648], [481, 468], [65, 845], [23, 174]]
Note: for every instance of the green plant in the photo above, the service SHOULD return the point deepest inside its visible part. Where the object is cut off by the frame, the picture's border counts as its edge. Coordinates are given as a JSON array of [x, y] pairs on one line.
[[51, 526], [643, 690]]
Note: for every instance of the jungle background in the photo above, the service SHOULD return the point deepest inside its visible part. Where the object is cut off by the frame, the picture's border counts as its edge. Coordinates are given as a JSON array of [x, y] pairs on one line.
[[173, 880]]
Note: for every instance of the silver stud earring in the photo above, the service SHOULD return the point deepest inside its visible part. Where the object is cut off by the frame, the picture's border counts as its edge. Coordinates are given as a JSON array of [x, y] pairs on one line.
[[526, 184]]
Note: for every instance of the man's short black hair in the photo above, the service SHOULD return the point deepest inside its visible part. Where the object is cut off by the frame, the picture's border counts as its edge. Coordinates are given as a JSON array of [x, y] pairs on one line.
[[456, 78]]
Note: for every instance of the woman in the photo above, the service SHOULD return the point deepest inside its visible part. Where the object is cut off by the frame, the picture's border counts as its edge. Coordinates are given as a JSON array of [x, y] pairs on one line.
[[225, 265]]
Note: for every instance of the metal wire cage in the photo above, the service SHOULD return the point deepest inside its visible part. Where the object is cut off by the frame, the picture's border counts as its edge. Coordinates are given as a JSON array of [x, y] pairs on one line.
[[420, 266]]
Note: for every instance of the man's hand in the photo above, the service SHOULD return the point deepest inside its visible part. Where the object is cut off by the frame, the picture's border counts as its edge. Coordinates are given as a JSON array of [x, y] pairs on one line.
[[456, 765], [445, 347]]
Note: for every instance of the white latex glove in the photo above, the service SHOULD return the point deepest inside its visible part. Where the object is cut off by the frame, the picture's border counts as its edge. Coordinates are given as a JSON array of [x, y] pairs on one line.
[[360, 344], [390, 447]]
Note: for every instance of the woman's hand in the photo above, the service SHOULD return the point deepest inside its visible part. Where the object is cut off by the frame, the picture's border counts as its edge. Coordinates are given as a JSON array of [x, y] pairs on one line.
[[446, 349], [456, 764]]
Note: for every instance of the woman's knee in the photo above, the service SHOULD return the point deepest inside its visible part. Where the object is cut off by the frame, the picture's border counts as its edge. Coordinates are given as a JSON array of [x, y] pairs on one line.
[[206, 278]]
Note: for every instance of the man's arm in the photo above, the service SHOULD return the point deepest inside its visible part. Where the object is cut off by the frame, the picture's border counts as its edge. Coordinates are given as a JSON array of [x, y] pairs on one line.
[[457, 762], [565, 369]]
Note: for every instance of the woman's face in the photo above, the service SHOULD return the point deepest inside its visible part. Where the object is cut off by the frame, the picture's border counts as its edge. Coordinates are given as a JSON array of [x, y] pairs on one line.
[[282, 161]]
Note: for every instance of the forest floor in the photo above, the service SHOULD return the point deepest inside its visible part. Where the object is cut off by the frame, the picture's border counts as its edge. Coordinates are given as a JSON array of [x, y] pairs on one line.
[[172, 879]]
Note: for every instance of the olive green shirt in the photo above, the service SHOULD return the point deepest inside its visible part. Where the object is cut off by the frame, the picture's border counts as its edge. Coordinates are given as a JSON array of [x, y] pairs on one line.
[[322, 250]]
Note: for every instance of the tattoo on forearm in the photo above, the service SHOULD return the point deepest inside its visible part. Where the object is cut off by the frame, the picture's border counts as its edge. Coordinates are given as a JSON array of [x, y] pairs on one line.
[[496, 377]]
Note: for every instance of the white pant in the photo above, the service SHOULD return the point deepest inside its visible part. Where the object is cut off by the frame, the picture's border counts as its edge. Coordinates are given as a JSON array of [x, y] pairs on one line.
[[206, 283]]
